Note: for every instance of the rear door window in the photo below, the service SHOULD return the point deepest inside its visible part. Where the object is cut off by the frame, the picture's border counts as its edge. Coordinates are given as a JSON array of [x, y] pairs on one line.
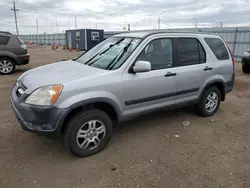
[[190, 52], [218, 48], [4, 40]]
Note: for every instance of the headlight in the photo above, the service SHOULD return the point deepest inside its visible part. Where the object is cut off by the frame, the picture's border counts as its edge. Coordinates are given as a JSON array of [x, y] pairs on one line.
[[246, 54], [46, 95]]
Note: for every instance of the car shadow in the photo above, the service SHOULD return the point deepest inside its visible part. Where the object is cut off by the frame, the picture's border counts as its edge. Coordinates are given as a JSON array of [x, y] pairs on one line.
[[21, 70], [55, 148], [152, 117]]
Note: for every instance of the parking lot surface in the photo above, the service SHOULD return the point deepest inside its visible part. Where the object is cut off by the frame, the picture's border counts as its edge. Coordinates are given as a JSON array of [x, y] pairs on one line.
[[151, 151]]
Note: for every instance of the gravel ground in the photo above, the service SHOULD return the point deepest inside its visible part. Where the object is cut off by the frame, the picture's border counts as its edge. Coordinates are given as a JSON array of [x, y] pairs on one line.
[[151, 151]]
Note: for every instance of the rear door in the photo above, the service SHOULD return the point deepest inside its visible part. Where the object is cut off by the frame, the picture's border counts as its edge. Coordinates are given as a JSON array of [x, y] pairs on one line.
[[192, 68]]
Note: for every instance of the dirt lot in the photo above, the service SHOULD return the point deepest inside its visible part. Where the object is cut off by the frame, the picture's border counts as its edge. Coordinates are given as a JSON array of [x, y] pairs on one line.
[[210, 152]]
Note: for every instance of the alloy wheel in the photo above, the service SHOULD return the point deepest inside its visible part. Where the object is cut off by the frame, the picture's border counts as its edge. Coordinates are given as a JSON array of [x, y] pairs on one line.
[[211, 102], [5, 66], [91, 134]]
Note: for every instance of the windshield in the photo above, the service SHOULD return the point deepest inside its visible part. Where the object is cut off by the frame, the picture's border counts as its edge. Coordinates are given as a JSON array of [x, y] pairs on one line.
[[110, 54]]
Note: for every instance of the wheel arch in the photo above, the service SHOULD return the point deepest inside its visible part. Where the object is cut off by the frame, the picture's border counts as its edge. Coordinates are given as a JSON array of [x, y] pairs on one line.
[[9, 57], [104, 104], [221, 85]]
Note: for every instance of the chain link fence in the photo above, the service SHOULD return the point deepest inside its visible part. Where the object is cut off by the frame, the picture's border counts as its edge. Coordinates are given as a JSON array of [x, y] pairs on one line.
[[238, 39]]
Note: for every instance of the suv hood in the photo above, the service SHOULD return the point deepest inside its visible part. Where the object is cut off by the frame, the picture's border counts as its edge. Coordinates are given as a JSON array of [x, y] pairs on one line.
[[57, 73]]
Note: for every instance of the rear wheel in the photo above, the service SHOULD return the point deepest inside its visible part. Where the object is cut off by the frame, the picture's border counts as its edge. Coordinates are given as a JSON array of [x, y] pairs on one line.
[[245, 68], [7, 66], [210, 102], [88, 132]]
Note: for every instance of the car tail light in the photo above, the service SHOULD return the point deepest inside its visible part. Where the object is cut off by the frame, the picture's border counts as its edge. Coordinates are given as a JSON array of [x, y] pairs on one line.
[[26, 57], [231, 55]]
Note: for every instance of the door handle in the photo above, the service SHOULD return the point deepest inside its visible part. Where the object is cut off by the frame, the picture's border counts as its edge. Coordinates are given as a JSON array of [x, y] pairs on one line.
[[169, 74], [208, 68]]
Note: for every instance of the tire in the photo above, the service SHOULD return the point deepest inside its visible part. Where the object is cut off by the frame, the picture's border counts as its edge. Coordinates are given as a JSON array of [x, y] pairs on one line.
[[7, 66], [81, 124], [201, 106], [245, 68]]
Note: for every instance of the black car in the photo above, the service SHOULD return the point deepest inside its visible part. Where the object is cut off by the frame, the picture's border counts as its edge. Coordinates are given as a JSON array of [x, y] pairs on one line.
[[246, 62], [13, 52]]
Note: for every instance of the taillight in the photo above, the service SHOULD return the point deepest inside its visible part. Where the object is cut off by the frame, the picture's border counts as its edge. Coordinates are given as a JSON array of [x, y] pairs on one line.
[[26, 57], [230, 55]]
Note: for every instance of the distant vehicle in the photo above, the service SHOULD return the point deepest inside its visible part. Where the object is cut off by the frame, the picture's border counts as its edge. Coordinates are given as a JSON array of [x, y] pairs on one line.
[[122, 77], [30, 43], [13, 52], [246, 62]]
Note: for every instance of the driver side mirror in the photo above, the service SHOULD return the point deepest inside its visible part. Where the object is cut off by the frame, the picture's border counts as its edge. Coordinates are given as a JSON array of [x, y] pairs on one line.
[[142, 66]]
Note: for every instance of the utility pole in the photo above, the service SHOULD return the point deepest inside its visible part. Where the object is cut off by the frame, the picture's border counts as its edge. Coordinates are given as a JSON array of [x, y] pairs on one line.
[[159, 23], [36, 26], [196, 24], [128, 27], [75, 21], [52, 27], [15, 10], [221, 24], [56, 24]]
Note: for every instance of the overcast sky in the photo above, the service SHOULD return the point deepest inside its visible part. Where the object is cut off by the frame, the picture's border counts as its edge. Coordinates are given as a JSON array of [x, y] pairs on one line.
[[115, 14]]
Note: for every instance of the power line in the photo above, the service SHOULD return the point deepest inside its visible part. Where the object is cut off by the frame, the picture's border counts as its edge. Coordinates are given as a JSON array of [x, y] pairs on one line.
[[15, 10]]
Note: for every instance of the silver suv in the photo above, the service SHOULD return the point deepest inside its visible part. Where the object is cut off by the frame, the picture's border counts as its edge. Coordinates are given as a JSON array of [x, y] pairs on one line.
[[122, 77]]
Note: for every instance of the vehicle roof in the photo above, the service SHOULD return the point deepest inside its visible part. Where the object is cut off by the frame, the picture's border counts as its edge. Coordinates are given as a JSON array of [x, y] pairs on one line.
[[144, 34], [5, 33]]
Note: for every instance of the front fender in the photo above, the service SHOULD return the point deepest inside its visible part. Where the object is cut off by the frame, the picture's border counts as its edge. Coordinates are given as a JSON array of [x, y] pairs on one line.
[[81, 99]]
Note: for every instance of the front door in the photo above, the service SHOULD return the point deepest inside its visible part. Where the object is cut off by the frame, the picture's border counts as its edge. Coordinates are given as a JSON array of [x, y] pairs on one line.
[[150, 90]]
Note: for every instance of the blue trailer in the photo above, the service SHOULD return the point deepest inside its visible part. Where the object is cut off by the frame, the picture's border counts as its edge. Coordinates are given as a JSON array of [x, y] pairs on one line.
[[84, 38]]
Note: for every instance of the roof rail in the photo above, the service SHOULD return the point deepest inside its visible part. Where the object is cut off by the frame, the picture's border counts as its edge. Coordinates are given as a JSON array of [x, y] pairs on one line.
[[5, 32]]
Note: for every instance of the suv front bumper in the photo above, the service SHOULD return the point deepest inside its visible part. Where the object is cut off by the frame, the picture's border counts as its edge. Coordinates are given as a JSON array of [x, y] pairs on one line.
[[42, 120], [246, 60]]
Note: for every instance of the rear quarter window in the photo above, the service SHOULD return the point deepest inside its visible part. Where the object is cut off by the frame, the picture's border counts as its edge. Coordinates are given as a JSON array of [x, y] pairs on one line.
[[218, 48], [20, 40], [4, 40]]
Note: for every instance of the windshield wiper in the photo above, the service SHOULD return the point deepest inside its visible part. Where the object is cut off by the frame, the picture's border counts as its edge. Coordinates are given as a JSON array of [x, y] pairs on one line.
[[119, 56], [103, 52]]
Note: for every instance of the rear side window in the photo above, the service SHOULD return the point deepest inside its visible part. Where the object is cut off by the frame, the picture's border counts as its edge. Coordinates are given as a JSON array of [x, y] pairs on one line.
[[4, 40], [190, 52], [218, 48]]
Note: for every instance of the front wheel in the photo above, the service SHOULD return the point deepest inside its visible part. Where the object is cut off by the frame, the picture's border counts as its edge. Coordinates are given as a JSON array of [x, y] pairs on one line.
[[88, 132], [209, 102]]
